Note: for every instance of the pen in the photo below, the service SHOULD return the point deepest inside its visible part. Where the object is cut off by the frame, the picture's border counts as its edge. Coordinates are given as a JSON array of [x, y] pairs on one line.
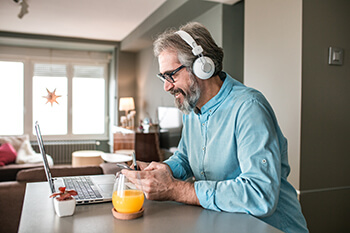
[[134, 160]]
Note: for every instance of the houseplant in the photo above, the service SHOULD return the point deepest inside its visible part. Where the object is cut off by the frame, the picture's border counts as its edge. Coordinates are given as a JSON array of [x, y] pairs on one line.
[[64, 202]]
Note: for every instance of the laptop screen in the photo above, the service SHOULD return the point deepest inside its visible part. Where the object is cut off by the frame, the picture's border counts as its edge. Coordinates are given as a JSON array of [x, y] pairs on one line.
[[43, 153]]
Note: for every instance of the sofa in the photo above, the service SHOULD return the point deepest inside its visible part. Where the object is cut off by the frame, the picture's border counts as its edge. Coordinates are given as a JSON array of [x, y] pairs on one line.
[[9, 171], [16, 154], [12, 192]]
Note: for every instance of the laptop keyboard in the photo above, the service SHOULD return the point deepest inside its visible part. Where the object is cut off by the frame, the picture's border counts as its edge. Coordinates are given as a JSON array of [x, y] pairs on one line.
[[84, 186]]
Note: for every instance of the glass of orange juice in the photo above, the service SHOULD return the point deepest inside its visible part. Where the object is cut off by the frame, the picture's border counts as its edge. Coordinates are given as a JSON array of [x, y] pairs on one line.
[[126, 197]]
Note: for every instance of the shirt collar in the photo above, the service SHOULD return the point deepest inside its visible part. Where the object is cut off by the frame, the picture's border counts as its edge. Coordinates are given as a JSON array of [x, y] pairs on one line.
[[216, 101]]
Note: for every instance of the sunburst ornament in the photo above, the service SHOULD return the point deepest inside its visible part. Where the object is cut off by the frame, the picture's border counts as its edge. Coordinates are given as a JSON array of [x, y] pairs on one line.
[[51, 97]]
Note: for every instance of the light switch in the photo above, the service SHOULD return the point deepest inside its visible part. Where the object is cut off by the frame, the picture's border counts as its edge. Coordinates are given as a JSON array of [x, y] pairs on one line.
[[335, 56]]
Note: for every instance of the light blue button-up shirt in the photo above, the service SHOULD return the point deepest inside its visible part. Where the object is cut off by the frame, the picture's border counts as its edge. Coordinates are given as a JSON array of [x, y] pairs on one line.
[[238, 155]]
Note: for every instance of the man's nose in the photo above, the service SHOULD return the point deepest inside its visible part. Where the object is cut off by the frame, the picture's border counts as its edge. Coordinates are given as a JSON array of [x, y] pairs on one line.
[[168, 86]]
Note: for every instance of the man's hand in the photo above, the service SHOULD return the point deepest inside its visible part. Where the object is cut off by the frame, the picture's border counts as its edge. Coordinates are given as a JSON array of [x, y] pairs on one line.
[[157, 183], [155, 178], [141, 165]]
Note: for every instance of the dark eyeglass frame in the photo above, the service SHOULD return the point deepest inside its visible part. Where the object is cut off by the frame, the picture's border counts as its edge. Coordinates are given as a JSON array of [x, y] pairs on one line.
[[168, 76]]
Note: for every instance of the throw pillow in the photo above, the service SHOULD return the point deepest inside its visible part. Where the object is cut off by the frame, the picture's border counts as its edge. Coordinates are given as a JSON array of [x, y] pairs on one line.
[[24, 152], [15, 141], [8, 154]]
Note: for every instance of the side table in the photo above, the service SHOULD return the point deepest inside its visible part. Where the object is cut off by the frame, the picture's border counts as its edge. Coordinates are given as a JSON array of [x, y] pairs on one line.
[[86, 158]]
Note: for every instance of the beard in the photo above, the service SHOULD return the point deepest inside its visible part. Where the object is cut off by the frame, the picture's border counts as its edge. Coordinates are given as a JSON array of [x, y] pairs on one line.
[[190, 99]]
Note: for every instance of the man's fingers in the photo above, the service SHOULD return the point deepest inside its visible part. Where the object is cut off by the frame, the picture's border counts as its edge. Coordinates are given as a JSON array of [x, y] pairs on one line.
[[142, 165], [154, 182], [134, 175], [154, 166], [129, 173]]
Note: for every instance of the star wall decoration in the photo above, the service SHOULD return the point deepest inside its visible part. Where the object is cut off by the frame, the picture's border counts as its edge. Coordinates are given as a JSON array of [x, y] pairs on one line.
[[51, 97]]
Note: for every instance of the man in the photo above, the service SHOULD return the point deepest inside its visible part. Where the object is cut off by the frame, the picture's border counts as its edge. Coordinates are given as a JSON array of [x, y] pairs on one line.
[[231, 142]]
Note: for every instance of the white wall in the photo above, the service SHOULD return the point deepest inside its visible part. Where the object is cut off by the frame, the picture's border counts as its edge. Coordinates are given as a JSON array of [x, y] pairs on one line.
[[150, 92], [272, 64]]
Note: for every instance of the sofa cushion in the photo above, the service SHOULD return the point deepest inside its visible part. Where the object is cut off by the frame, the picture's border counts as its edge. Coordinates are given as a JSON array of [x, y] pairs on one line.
[[15, 141], [9, 172], [110, 168], [8, 154], [38, 174]]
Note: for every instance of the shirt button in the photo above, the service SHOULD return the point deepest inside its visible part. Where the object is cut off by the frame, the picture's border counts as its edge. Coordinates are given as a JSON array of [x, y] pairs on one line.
[[203, 124], [264, 161], [202, 172], [203, 148]]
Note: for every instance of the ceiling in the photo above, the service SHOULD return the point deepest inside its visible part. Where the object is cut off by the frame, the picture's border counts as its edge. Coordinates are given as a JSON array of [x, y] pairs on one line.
[[110, 20], [91, 19]]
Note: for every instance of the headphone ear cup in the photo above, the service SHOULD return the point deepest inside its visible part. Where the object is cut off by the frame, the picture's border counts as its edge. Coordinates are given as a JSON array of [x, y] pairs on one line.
[[203, 70]]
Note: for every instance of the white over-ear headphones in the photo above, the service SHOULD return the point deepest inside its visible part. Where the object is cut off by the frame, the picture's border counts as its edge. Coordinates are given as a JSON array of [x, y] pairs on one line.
[[203, 67]]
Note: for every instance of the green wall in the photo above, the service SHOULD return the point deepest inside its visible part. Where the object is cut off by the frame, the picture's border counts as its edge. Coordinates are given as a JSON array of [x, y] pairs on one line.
[[325, 152]]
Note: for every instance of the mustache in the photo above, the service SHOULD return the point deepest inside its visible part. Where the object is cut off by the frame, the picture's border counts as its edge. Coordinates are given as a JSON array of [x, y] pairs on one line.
[[178, 90]]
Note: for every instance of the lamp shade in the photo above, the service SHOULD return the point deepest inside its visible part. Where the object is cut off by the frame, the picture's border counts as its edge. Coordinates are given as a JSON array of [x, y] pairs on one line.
[[126, 104]]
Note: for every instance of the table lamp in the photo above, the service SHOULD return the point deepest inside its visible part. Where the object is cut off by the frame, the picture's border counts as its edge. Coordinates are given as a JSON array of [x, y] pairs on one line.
[[126, 104]]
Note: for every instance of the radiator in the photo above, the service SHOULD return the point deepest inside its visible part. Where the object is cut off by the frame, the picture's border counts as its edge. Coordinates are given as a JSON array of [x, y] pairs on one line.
[[61, 151]]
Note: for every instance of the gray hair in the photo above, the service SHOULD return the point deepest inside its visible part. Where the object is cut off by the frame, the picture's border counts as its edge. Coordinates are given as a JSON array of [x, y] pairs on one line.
[[169, 40]]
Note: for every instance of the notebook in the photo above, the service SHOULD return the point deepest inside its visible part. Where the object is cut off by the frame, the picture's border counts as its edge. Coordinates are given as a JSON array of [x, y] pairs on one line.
[[91, 189]]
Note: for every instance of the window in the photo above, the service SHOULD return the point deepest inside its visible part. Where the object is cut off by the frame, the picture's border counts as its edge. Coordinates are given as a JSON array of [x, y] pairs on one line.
[[53, 117], [11, 98], [88, 100], [80, 85]]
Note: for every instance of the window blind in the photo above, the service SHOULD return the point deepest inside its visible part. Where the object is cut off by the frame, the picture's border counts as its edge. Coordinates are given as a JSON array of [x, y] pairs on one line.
[[88, 71], [50, 70]]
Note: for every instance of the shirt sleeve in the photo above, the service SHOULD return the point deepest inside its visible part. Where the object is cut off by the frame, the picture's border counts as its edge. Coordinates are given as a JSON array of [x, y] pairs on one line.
[[178, 162], [256, 189]]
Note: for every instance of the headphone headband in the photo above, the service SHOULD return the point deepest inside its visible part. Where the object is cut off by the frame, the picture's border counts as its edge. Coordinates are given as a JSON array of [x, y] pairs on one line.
[[196, 49], [203, 67]]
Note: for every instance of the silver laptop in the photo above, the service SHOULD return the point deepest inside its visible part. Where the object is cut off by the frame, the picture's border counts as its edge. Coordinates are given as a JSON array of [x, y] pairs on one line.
[[91, 189]]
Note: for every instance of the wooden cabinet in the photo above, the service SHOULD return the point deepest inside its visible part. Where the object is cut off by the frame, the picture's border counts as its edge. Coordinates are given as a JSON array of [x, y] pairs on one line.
[[123, 141], [146, 145]]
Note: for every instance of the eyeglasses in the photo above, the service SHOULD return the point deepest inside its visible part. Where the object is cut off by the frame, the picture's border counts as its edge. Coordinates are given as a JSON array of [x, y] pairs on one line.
[[168, 76]]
